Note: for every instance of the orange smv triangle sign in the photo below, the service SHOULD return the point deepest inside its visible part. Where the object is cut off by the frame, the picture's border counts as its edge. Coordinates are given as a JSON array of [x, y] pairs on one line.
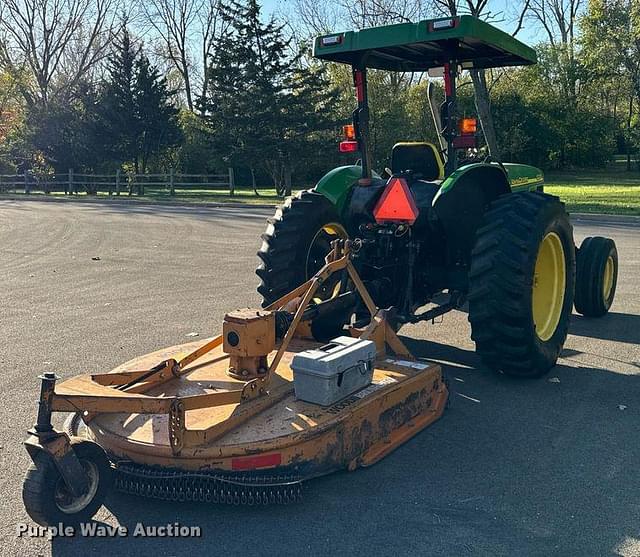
[[396, 204]]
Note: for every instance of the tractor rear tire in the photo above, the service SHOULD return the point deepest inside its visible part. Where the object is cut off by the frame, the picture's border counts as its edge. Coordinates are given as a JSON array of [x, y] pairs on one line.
[[596, 276], [521, 283], [295, 243]]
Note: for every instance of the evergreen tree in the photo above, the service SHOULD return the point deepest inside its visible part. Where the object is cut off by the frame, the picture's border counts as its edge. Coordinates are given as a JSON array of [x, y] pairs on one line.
[[156, 115], [63, 134], [137, 117], [260, 102], [310, 122], [117, 108]]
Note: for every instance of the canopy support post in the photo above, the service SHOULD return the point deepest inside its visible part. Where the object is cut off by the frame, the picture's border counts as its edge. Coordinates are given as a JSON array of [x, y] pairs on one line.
[[448, 111], [361, 119]]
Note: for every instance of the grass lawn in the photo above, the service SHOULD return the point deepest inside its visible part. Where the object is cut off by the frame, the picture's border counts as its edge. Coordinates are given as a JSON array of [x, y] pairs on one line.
[[594, 191], [267, 196]]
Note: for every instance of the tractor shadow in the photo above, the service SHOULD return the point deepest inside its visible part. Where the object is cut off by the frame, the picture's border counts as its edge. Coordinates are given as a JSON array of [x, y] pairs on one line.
[[514, 467], [619, 327]]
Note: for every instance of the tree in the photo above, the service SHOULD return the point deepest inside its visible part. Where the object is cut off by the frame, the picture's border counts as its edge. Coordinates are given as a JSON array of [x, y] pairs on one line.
[[536, 124], [559, 19], [11, 118], [137, 118], [62, 135], [189, 30], [259, 99], [309, 122], [611, 43], [117, 107], [155, 113], [50, 46]]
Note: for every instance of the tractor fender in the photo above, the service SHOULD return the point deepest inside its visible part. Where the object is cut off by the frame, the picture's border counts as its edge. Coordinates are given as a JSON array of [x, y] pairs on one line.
[[336, 184], [461, 202]]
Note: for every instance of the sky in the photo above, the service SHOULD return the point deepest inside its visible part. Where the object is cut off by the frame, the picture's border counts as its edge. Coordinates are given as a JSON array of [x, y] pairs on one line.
[[504, 9]]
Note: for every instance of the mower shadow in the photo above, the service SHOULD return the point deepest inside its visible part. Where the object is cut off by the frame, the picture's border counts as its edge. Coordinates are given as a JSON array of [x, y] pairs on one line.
[[513, 468]]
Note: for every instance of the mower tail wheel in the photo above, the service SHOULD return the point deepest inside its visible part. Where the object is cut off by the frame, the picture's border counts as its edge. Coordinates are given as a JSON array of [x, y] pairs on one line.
[[521, 283], [596, 276], [46, 497]]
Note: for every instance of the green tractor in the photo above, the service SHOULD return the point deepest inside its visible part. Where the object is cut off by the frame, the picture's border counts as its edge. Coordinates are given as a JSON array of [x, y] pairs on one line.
[[434, 229]]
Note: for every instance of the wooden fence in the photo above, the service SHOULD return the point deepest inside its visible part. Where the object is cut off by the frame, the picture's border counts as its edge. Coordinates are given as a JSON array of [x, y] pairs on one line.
[[73, 183]]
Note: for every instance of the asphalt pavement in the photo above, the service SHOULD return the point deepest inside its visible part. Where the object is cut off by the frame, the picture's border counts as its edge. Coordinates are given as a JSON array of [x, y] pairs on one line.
[[538, 467]]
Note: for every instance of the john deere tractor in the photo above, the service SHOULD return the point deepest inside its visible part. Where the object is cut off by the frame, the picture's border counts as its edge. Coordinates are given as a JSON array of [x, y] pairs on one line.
[[434, 229]]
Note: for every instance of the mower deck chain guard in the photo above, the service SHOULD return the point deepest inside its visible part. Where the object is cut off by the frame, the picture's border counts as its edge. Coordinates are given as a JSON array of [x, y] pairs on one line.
[[237, 489]]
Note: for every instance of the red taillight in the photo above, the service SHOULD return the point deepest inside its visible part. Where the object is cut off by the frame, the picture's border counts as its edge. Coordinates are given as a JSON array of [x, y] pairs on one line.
[[396, 203], [348, 146]]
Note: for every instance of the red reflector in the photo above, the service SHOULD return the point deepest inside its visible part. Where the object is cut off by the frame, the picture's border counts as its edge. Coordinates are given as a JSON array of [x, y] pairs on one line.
[[348, 146], [359, 83], [396, 203], [465, 142], [253, 462]]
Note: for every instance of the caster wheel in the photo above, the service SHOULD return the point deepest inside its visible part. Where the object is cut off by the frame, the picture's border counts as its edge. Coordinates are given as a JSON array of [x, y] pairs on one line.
[[46, 497]]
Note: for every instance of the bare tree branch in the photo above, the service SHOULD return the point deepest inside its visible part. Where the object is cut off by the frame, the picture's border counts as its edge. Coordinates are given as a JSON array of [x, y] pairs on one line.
[[188, 30], [57, 42]]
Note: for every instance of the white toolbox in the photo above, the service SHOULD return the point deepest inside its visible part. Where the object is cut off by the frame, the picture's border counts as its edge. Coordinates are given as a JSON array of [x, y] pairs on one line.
[[332, 372]]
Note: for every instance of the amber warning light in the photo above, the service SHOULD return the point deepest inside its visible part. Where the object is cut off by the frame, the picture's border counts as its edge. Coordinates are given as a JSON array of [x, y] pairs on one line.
[[468, 126], [396, 203], [350, 145], [349, 132]]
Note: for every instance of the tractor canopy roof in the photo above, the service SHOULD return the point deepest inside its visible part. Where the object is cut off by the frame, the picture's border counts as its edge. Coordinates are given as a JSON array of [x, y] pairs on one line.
[[426, 44]]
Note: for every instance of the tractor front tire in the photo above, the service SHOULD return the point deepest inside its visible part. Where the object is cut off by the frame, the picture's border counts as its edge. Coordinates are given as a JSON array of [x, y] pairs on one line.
[[596, 276], [521, 283], [297, 239]]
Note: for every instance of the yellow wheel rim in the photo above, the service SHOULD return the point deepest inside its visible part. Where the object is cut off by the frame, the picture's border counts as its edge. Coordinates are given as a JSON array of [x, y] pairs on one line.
[[318, 249], [549, 283], [607, 283]]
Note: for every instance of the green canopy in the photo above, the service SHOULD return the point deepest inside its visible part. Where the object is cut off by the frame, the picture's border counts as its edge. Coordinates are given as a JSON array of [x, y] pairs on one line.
[[426, 44]]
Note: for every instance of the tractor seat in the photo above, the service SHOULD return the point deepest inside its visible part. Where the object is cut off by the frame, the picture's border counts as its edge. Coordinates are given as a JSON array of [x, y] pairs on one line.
[[421, 158]]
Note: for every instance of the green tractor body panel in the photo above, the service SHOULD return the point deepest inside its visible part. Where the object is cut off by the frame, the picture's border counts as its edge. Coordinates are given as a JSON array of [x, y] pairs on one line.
[[522, 177], [426, 44], [336, 184]]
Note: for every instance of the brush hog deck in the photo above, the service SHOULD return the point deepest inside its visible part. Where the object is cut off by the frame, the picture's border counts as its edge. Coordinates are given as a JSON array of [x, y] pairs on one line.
[[276, 448], [219, 421]]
